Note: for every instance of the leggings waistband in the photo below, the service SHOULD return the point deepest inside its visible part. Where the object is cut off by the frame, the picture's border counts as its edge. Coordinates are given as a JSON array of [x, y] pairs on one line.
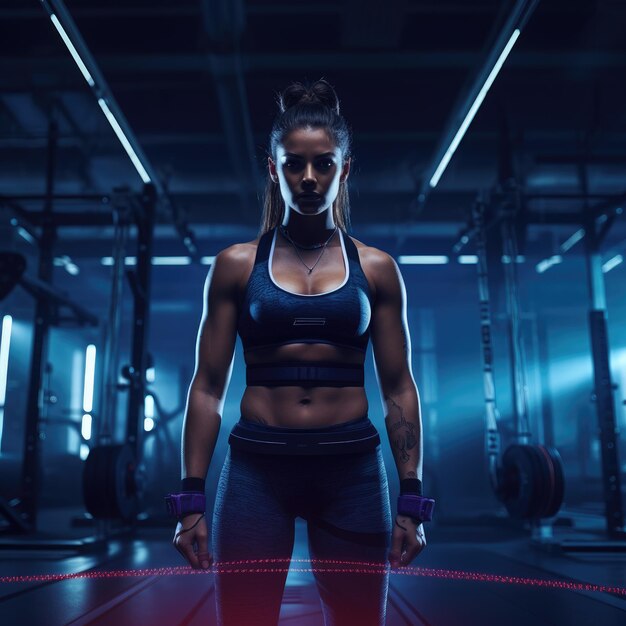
[[358, 435]]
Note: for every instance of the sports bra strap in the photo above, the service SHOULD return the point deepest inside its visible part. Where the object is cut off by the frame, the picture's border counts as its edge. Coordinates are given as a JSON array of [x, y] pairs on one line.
[[351, 250], [263, 248]]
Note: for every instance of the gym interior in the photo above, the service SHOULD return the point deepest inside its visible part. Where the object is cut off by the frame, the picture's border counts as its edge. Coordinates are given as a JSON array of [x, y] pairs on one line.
[[488, 161]]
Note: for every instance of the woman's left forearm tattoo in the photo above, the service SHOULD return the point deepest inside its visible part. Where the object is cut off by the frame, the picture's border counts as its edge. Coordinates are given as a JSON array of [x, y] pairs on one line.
[[401, 433]]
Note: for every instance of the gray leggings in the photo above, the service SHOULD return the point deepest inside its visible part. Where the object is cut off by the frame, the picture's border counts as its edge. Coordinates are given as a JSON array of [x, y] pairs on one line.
[[345, 501]]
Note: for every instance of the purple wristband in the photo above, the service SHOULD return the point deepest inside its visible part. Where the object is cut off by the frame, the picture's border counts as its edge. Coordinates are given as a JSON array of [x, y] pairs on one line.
[[416, 507], [180, 504]]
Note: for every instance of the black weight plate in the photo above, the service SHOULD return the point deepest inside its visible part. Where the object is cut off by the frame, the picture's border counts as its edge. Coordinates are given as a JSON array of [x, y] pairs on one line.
[[557, 478], [109, 483], [122, 482], [94, 479], [108, 487], [543, 482], [517, 486], [531, 481]]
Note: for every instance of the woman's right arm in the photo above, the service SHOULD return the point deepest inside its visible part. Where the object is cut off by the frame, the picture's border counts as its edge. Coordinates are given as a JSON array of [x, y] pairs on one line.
[[214, 360]]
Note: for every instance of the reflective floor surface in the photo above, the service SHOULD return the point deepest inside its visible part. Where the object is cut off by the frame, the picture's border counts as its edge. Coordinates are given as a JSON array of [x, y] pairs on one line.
[[440, 588]]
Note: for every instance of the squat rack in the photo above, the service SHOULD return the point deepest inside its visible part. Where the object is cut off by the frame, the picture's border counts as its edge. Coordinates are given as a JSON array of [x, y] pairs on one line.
[[596, 222], [21, 513]]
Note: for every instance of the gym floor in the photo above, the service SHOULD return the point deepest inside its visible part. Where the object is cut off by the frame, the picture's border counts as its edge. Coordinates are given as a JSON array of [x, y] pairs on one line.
[[423, 595]]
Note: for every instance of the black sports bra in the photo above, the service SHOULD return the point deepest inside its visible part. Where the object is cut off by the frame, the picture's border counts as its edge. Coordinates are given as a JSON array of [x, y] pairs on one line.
[[271, 315]]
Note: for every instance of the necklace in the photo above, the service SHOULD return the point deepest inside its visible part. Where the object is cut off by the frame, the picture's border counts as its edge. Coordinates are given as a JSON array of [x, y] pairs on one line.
[[285, 233]]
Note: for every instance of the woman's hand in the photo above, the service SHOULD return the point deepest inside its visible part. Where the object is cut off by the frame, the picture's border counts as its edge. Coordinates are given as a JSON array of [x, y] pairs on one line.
[[189, 531], [407, 541]]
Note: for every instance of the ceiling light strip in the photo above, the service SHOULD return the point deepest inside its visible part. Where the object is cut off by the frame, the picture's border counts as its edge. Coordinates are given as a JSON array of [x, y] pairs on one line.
[[612, 263], [64, 24], [473, 109]]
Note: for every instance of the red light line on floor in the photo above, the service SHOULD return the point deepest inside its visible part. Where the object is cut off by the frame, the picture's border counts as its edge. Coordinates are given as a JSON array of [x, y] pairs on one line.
[[327, 565]]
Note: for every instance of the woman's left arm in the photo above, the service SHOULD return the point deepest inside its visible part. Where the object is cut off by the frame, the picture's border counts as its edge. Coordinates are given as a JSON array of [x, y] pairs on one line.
[[391, 344]]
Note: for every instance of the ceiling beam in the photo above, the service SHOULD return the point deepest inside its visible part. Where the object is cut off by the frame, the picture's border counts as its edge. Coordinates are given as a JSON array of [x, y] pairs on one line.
[[50, 70], [224, 22], [432, 7]]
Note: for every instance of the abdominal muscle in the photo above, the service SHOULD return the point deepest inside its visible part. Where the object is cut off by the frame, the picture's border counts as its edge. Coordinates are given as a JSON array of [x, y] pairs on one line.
[[292, 406]]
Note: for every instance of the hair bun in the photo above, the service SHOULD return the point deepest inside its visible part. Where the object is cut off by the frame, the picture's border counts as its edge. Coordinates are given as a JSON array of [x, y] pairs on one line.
[[320, 92]]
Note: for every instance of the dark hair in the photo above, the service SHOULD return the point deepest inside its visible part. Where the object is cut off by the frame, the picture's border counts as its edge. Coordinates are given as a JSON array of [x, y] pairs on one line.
[[301, 106]]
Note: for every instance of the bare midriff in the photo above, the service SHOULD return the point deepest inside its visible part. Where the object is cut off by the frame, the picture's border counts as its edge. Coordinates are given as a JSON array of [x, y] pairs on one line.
[[291, 406]]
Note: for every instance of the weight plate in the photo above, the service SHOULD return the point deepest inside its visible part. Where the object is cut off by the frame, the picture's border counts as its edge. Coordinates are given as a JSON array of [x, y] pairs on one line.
[[109, 488], [542, 483], [516, 490], [558, 481], [531, 481]]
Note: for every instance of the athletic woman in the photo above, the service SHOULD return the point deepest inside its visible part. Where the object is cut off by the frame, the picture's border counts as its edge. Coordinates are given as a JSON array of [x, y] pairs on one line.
[[305, 299]]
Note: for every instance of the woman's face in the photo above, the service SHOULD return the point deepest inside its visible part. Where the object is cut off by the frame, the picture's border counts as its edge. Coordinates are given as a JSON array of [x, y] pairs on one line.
[[309, 168]]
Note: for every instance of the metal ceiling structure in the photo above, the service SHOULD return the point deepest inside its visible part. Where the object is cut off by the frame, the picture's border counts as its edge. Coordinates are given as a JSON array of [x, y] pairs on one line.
[[200, 100]]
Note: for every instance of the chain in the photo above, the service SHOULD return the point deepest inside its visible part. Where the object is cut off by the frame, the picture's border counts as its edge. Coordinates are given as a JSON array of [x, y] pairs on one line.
[[285, 233]]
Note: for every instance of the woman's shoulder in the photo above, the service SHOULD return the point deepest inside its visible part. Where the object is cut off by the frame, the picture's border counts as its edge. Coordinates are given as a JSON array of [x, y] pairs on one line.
[[379, 266], [234, 263], [240, 252], [374, 259]]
